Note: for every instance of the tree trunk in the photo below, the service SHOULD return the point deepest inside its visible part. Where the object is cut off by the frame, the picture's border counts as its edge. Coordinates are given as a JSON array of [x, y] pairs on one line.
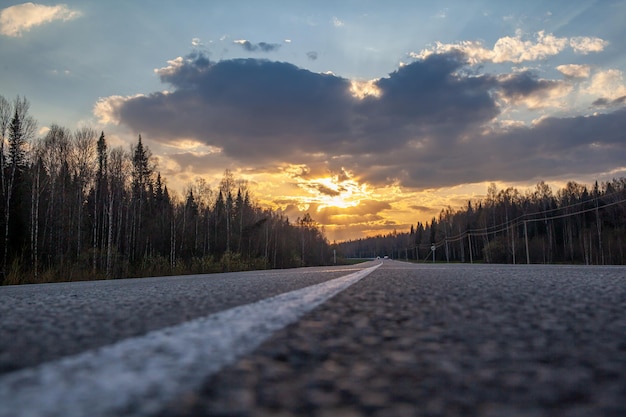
[[34, 228], [110, 237], [599, 229], [172, 240], [79, 222], [7, 217]]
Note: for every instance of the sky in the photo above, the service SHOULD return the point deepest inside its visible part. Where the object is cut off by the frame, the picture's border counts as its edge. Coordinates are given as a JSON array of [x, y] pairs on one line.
[[369, 115]]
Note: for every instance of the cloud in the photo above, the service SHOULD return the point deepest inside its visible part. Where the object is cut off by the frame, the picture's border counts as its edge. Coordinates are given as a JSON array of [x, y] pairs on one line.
[[194, 163], [261, 46], [517, 49], [324, 189], [424, 209], [604, 102], [527, 89], [15, 20], [575, 70], [431, 124], [250, 108], [608, 84], [312, 55], [338, 22], [106, 109], [584, 44], [553, 147], [365, 213], [173, 66]]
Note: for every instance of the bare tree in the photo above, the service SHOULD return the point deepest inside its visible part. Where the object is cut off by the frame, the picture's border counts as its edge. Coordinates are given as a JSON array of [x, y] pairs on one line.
[[37, 188], [6, 111], [118, 170], [83, 159], [204, 196], [54, 156], [227, 187]]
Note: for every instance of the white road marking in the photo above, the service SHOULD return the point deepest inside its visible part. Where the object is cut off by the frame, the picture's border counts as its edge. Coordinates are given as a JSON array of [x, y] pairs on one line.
[[139, 376]]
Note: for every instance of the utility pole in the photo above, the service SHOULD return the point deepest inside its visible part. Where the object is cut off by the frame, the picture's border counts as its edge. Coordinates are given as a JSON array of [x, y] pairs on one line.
[[526, 240]]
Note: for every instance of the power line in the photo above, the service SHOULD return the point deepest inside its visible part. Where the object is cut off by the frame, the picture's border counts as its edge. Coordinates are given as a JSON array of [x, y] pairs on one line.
[[522, 220]]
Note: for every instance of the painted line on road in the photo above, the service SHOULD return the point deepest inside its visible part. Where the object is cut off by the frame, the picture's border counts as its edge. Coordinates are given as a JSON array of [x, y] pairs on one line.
[[139, 376]]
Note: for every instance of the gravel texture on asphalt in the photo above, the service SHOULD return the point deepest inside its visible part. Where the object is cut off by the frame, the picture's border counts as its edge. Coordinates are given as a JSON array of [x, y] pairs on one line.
[[441, 340], [139, 376], [40, 323]]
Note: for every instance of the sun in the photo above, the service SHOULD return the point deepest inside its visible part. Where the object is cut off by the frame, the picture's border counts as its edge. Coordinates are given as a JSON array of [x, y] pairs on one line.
[[340, 191], [339, 196]]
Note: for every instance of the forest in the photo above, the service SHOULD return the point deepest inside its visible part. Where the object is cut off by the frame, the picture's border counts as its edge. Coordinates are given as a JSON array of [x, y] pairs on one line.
[[71, 208], [578, 224]]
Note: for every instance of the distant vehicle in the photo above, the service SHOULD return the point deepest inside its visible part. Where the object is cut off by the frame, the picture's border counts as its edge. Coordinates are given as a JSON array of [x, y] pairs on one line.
[[386, 257]]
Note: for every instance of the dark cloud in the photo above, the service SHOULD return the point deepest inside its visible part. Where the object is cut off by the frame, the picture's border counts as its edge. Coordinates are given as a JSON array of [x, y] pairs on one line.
[[256, 47], [428, 98], [424, 209], [323, 189], [253, 109], [312, 55], [524, 84], [199, 163], [605, 102], [554, 147], [426, 127]]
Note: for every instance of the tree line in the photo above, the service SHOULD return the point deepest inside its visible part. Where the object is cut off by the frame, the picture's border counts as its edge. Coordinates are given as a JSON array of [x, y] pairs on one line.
[[72, 208], [577, 224]]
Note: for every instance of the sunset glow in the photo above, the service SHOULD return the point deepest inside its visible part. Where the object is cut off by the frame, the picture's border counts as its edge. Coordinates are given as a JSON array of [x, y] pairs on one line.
[[368, 116], [362, 89]]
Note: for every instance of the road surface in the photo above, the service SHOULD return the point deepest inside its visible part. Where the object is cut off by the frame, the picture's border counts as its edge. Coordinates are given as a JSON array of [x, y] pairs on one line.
[[390, 340]]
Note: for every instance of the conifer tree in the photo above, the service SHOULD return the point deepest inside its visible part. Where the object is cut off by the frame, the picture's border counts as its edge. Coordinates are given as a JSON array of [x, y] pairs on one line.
[[20, 130], [141, 181]]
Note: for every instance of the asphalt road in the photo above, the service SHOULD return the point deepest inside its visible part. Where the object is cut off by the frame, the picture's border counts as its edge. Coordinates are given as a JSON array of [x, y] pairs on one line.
[[40, 323], [414, 340]]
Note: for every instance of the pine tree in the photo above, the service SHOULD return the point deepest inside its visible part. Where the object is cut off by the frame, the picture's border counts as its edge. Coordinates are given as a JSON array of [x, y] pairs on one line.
[[101, 192], [20, 130], [220, 229], [141, 181]]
